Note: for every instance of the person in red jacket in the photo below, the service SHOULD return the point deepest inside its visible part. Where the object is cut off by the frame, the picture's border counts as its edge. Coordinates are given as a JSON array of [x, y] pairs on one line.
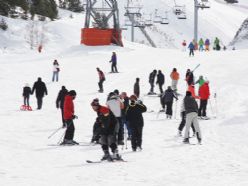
[[68, 117], [204, 94]]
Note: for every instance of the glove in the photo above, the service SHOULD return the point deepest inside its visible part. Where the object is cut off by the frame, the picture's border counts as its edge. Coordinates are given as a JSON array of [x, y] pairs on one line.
[[74, 117]]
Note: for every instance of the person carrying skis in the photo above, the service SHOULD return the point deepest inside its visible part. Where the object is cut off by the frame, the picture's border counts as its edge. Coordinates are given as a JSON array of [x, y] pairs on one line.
[[160, 81], [56, 70], [189, 77], [136, 121], [207, 43], [191, 110], [60, 102], [204, 94], [114, 63], [26, 94], [174, 77], [109, 129], [152, 77], [40, 90], [136, 88], [167, 99], [69, 116], [101, 79], [115, 104], [191, 49], [201, 43]]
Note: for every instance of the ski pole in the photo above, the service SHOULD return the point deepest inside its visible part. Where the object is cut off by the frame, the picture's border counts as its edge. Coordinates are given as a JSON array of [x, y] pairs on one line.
[[195, 68], [216, 106], [54, 132], [211, 107], [175, 116]]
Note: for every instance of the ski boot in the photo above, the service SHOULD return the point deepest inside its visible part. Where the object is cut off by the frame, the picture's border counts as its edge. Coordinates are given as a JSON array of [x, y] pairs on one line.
[[106, 157], [186, 141], [116, 156]]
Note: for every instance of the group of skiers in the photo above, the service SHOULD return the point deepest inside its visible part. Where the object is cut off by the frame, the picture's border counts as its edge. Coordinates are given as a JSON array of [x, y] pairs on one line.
[[201, 45]]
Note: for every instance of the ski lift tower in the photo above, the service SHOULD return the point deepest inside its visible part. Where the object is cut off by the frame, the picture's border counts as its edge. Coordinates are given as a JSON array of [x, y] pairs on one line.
[[101, 12], [198, 4]]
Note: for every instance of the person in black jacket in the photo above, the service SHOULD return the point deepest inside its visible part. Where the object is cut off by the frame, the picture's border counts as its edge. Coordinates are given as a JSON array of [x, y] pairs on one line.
[[160, 81], [189, 77], [60, 102], [40, 90], [136, 88], [191, 110], [167, 99], [26, 94], [136, 121], [109, 129], [152, 77]]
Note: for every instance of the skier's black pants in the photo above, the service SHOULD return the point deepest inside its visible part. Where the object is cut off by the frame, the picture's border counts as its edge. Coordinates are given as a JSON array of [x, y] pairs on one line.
[[160, 88], [183, 122], [69, 133], [191, 52], [62, 114], [96, 132], [203, 107], [26, 100], [108, 140], [100, 85], [39, 102], [114, 68], [121, 129], [169, 108], [152, 86], [136, 139]]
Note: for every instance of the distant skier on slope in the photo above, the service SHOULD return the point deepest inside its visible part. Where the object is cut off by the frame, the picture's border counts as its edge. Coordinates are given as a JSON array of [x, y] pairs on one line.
[[101, 79], [114, 63], [160, 81], [26, 94], [191, 49], [204, 94], [40, 90], [174, 78], [152, 77], [167, 99]]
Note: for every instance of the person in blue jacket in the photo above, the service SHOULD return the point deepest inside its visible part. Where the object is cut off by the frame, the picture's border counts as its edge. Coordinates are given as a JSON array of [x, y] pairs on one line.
[[191, 49]]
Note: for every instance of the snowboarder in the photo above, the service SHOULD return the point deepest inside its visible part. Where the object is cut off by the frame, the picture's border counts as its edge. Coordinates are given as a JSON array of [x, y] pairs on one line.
[[136, 121], [114, 63], [160, 81], [101, 79], [69, 116], [40, 90], [60, 102], [191, 110], [201, 43], [26, 94], [108, 123], [189, 77], [167, 99], [56, 70], [136, 88], [204, 94], [174, 77], [191, 49], [115, 104], [207, 43], [152, 77]]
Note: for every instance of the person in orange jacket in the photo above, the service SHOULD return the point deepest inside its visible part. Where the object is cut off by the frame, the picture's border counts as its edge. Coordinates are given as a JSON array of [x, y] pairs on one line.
[[174, 77], [204, 94]]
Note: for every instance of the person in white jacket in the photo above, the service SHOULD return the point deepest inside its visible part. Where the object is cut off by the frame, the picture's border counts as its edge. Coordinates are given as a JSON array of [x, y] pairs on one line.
[[56, 70], [115, 104]]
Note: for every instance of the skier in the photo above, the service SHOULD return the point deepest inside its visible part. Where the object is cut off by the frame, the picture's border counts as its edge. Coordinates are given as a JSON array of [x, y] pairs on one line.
[[114, 63], [136, 121], [101, 79], [167, 99], [108, 123], [207, 43], [151, 81], [125, 100], [96, 128], [201, 43], [69, 117], [160, 81], [136, 88], [56, 70], [189, 77], [174, 77], [200, 81], [184, 44], [60, 102], [216, 44], [40, 90], [191, 49], [191, 110], [115, 104], [183, 121], [204, 94], [26, 94]]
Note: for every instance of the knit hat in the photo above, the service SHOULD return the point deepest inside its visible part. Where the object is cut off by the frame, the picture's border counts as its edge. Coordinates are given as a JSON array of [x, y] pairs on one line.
[[133, 97], [72, 93], [188, 93], [95, 102]]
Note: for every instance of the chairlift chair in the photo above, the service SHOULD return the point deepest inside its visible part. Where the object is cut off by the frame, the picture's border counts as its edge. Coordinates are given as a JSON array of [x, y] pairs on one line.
[[164, 21], [177, 10], [148, 22], [182, 16], [157, 19]]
